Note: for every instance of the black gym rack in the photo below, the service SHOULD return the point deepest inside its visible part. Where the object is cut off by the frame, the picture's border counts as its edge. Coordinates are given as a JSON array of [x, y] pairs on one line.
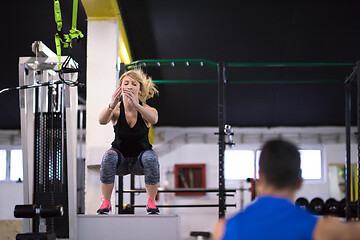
[[222, 81], [348, 82]]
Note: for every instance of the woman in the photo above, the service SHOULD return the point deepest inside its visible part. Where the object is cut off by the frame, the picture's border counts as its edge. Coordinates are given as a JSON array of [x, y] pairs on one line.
[[131, 151]]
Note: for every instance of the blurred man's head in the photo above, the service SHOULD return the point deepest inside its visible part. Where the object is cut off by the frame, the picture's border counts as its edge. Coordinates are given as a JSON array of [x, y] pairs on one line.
[[280, 165]]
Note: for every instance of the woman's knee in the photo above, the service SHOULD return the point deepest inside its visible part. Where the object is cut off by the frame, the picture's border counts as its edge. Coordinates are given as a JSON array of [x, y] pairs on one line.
[[108, 166], [110, 158], [151, 167], [150, 159], [151, 164]]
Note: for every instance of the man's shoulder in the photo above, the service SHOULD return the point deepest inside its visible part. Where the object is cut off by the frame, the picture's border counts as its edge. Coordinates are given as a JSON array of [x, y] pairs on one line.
[[249, 211], [271, 206]]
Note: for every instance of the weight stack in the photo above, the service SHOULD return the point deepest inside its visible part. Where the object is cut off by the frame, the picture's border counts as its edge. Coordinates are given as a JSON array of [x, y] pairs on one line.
[[50, 169]]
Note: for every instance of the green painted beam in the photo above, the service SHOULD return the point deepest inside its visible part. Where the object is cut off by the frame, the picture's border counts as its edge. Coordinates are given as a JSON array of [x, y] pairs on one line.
[[313, 64], [211, 64], [172, 63], [251, 81], [214, 65], [186, 81], [285, 80]]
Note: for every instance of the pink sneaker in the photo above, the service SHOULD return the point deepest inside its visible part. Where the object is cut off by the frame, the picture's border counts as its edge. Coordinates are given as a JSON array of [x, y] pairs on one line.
[[105, 207], [151, 207]]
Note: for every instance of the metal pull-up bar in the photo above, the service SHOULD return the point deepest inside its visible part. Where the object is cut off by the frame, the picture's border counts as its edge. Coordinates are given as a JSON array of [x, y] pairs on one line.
[[213, 65], [172, 63], [310, 64], [249, 81]]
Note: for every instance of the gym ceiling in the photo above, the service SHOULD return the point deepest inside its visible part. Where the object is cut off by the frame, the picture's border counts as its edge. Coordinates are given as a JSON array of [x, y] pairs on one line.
[[251, 31]]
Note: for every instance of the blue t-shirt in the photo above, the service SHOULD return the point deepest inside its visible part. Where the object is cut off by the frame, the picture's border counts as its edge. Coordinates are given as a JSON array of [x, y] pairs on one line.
[[271, 218]]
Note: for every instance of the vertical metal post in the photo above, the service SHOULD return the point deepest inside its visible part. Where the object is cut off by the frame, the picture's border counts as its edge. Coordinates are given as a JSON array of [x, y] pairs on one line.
[[348, 146], [132, 187], [358, 135], [81, 119], [81, 164], [121, 179], [221, 122], [120, 194]]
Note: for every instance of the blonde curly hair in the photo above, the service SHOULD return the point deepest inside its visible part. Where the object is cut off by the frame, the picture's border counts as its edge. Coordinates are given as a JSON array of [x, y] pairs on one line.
[[147, 86]]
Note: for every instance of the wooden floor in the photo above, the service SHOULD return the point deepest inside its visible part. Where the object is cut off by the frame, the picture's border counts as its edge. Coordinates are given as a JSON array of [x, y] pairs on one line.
[[9, 229]]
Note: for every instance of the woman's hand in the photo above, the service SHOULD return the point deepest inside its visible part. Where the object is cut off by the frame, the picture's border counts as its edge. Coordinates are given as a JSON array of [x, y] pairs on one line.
[[149, 114], [107, 113], [132, 98], [115, 97]]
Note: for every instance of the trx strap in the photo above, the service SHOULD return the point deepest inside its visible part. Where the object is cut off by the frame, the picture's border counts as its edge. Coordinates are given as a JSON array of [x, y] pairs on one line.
[[65, 39]]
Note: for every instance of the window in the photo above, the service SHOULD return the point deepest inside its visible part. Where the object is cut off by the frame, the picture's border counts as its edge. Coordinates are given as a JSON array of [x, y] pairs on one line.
[[239, 164], [310, 164], [243, 164], [11, 165], [2, 165], [16, 165]]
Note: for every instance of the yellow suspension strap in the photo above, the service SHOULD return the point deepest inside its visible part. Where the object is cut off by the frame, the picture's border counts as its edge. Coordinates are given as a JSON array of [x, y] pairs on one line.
[[65, 39]]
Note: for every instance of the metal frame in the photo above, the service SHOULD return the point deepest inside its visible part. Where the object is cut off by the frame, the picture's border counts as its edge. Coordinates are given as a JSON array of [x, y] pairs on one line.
[[186, 206], [221, 69], [183, 190], [34, 66], [348, 81], [173, 63], [358, 137], [221, 143], [349, 204], [132, 192]]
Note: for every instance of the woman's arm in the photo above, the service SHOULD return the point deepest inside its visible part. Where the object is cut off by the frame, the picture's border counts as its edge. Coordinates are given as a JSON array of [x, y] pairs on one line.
[[107, 113], [149, 114]]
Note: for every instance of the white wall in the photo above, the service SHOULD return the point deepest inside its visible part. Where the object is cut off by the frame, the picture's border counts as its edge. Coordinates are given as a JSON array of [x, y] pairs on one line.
[[102, 76], [11, 192], [11, 195]]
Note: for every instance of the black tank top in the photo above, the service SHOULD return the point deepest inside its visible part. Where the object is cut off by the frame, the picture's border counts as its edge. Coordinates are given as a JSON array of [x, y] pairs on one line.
[[131, 141]]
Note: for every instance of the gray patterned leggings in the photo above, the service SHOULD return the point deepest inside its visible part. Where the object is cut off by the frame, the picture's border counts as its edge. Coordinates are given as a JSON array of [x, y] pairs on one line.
[[114, 163]]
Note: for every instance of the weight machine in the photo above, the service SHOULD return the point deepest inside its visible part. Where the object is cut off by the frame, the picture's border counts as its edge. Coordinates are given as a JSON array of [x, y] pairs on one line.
[[48, 110]]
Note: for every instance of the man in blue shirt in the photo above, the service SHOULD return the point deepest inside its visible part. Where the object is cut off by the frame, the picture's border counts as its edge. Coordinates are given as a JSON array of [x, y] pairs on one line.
[[273, 215]]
